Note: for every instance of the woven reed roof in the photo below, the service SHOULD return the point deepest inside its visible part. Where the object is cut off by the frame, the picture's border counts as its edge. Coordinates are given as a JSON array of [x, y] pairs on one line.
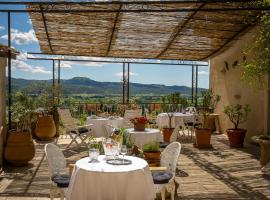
[[125, 30]]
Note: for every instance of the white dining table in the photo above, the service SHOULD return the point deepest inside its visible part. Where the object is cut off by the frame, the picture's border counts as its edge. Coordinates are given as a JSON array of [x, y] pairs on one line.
[[143, 137], [163, 119], [102, 181], [99, 125]]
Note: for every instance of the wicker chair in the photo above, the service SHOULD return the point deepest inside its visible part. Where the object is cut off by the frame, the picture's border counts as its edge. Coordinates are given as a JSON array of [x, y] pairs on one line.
[[168, 160], [75, 132], [57, 165]]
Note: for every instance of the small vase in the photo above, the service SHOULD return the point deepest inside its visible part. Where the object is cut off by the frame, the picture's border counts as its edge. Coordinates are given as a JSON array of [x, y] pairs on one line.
[[139, 127]]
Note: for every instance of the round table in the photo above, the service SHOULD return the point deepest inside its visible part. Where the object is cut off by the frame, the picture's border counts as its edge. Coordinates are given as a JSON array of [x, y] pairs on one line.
[[99, 128], [163, 119], [143, 137], [101, 181]]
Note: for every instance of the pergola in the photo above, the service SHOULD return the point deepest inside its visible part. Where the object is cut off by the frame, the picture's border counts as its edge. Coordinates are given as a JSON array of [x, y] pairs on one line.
[[124, 30]]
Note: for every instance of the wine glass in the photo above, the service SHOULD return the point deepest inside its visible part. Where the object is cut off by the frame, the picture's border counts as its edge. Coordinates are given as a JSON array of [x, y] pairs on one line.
[[123, 151]]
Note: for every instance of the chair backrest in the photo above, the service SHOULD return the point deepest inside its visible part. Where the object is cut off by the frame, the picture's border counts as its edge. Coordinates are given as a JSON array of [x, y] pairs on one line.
[[191, 109], [56, 160], [67, 119], [169, 156], [179, 127]]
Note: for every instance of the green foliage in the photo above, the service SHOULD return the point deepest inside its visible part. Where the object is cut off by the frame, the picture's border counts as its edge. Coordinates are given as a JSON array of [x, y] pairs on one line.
[[22, 111], [151, 146], [126, 138], [256, 68], [237, 113], [170, 104], [208, 103]]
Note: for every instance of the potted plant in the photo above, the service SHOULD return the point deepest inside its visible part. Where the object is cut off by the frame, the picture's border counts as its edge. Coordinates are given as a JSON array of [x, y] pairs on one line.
[[139, 123], [237, 114], [170, 105], [152, 153], [19, 146], [48, 118], [203, 134]]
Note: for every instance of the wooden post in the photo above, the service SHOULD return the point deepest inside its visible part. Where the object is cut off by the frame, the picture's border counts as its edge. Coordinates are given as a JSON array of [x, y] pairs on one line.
[[3, 64], [267, 114]]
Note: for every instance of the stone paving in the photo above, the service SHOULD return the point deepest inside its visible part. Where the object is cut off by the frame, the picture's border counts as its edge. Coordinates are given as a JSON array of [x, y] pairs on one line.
[[218, 173]]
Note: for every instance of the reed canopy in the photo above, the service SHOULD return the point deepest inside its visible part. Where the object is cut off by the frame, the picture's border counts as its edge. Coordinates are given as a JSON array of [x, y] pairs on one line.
[[173, 30]]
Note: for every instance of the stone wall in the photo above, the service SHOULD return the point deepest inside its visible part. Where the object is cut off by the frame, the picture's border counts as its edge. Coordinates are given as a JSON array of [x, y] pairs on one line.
[[225, 80], [2, 103]]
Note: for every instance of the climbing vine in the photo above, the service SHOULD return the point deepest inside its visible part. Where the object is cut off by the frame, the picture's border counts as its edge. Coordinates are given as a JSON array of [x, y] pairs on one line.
[[257, 67]]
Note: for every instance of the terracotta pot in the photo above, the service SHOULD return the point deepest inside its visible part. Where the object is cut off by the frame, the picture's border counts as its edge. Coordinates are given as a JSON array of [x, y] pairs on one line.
[[45, 129], [236, 137], [139, 127], [167, 132], [20, 148], [203, 138], [152, 157]]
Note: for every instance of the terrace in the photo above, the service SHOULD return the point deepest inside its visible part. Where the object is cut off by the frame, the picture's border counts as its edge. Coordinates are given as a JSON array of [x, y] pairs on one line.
[[195, 33]]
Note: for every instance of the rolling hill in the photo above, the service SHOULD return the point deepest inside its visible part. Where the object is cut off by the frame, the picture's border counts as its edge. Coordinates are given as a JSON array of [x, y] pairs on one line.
[[83, 85]]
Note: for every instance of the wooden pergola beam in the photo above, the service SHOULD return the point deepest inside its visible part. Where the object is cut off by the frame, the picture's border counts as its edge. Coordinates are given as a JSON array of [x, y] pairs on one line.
[[113, 30], [45, 27]]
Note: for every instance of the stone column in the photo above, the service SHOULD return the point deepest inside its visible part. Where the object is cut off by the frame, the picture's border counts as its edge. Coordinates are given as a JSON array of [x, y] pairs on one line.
[[3, 64]]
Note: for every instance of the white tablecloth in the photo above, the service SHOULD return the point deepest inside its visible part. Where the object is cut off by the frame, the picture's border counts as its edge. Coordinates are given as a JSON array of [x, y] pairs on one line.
[[143, 137], [99, 129], [102, 181], [163, 119]]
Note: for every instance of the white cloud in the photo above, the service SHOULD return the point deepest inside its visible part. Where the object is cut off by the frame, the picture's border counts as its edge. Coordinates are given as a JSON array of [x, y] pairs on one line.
[[2, 28], [70, 64], [120, 74], [21, 38], [21, 65], [204, 73], [22, 56], [29, 21], [66, 65]]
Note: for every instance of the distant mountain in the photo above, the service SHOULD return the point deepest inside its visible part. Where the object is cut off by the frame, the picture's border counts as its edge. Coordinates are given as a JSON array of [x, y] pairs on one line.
[[83, 85]]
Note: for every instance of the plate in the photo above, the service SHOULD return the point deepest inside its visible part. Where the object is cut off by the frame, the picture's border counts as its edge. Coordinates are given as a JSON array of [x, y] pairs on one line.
[[119, 161]]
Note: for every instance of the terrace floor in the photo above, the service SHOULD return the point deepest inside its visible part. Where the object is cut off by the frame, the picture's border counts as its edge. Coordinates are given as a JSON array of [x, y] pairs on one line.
[[219, 173]]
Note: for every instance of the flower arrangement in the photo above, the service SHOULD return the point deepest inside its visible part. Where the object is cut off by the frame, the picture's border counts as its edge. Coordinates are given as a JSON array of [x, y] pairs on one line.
[[139, 120]]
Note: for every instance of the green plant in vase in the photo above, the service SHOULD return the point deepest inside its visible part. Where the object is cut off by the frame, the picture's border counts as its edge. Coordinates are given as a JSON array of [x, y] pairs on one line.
[[151, 152], [19, 147], [203, 134], [237, 114], [169, 106]]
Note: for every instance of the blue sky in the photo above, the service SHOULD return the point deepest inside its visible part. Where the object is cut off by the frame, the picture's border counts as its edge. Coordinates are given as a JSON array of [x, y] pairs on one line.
[[24, 40]]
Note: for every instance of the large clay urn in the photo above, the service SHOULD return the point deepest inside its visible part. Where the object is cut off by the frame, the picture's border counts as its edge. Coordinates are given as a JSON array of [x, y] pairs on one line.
[[167, 133], [203, 138], [45, 129], [20, 148]]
